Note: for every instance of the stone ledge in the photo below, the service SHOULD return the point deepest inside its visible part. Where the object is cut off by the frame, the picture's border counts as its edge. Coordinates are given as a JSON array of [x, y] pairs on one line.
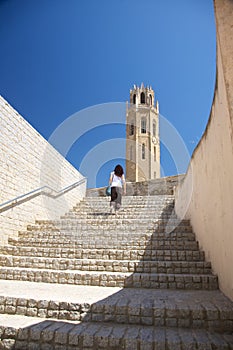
[[162, 186]]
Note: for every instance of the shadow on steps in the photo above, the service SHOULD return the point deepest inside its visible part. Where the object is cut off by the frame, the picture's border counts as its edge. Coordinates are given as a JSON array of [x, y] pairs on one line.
[[171, 302]]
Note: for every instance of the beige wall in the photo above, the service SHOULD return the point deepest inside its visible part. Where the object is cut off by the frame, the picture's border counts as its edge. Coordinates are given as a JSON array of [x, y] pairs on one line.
[[27, 162], [206, 195]]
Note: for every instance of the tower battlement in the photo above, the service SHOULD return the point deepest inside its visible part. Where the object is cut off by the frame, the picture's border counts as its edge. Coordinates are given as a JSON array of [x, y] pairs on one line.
[[143, 96]]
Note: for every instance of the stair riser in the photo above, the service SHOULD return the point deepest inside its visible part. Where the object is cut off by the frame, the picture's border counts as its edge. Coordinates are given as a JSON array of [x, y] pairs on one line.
[[186, 282], [112, 228], [113, 244], [106, 215], [167, 208], [125, 267], [51, 335], [166, 205], [125, 209], [117, 220], [86, 236], [106, 254], [126, 205], [130, 200], [134, 205], [151, 315]]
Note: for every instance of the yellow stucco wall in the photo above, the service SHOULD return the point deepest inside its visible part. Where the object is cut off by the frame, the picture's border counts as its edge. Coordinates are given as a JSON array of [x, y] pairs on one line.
[[206, 195]]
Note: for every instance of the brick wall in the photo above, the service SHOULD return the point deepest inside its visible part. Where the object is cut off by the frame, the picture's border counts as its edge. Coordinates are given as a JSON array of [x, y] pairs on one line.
[[27, 162]]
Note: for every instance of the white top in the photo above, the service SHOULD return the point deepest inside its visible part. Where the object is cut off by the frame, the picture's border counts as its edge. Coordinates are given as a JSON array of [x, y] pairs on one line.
[[117, 181]]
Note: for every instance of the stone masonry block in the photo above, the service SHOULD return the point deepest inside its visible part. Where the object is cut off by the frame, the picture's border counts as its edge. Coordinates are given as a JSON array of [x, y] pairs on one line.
[[62, 333]]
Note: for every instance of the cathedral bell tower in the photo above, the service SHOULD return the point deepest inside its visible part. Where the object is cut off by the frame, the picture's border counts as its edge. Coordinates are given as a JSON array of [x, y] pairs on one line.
[[142, 135]]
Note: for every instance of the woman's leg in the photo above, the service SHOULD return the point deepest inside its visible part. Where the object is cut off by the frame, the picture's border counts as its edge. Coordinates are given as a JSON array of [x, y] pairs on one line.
[[119, 197], [113, 197]]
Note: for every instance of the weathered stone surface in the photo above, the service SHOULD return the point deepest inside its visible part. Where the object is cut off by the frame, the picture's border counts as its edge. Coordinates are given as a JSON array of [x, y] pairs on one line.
[[171, 288]]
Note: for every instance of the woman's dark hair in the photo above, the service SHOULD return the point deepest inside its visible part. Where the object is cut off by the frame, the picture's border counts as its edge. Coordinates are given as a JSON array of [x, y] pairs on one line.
[[118, 170]]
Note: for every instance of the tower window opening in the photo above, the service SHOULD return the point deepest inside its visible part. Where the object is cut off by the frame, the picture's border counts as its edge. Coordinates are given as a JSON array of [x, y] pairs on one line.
[[131, 153], [150, 100], [131, 129], [143, 151], [154, 153], [134, 99], [143, 100], [154, 129], [143, 126]]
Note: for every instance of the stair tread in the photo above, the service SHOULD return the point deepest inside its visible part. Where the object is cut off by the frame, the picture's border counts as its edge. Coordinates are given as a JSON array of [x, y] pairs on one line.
[[113, 295], [83, 272], [107, 335]]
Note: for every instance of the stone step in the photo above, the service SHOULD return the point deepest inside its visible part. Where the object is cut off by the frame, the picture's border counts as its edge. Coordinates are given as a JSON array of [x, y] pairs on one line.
[[74, 232], [126, 208], [105, 253], [113, 279], [171, 267], [111, 243], [130, 203], [155, 207], [126, 225], [103, 215], [20, 333], [130, 200], [135, 199], [75, 235], [187, 309], [158, 211], [111, 219]]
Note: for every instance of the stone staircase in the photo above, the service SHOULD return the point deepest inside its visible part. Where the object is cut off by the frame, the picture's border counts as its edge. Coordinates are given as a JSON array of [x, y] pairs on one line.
[[92, 280]]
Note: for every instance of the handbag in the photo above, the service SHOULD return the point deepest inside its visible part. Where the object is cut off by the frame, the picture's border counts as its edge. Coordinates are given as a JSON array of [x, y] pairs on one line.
[[108, 191]]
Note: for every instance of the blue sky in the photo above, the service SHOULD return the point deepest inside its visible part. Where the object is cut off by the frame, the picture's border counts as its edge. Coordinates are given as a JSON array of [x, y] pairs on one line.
[[60, 57]]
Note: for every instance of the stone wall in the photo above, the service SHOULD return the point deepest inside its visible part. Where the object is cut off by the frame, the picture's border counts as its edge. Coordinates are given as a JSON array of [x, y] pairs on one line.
[[28, 162], [162, 186], [206, 195]]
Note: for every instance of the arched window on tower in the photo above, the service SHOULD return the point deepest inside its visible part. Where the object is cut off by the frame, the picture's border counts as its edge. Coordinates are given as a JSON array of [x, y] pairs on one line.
[[131, 153], [150, 100], [154, 129], [134, 99], [131, 129], [143, 151], [143, 126], [143, 100]]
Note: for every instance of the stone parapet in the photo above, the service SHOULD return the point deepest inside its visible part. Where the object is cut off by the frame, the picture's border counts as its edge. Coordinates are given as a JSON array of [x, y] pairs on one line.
[[162, 186]]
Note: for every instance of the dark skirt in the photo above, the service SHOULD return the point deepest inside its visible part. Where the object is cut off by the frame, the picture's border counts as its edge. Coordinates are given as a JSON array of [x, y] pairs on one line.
[[116, 196]]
